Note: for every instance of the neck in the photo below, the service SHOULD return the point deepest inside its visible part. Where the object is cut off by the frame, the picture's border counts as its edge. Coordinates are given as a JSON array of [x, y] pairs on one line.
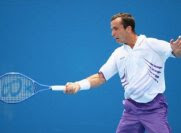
[[132, 40]]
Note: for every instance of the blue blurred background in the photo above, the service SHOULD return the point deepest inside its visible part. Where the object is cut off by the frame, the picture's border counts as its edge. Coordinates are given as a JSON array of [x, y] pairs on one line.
[[55, 41]]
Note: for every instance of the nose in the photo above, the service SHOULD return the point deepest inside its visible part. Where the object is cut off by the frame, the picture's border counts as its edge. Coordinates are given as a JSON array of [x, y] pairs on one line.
[[113, 33]]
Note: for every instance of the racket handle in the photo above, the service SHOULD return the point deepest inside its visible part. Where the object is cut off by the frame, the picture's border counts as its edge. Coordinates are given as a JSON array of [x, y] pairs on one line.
[[58, 87]]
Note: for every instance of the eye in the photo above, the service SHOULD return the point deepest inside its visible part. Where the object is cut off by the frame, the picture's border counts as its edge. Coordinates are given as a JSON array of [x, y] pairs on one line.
[[114, 29]]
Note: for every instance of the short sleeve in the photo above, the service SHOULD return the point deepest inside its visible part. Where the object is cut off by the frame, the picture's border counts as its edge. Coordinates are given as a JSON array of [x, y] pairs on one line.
[[109, 69], [163, 48]]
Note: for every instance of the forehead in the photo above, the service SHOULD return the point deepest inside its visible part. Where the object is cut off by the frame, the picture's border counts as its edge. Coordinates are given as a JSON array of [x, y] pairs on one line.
[[116, 22]]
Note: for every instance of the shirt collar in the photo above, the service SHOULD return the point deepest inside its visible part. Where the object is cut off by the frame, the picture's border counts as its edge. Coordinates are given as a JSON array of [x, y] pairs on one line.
[[138, 41]]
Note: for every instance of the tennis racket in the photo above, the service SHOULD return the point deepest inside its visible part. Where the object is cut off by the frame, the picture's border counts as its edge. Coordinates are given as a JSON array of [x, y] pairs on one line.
[[16, 87]]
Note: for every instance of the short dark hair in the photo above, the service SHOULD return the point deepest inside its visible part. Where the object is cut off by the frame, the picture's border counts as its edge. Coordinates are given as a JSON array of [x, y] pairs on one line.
[[127, 20]]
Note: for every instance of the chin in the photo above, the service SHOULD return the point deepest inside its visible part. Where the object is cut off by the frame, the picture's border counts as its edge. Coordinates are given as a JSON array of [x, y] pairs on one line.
[[118, 41]]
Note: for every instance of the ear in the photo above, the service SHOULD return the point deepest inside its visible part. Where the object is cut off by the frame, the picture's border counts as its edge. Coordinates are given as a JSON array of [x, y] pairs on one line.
[[129, 29]]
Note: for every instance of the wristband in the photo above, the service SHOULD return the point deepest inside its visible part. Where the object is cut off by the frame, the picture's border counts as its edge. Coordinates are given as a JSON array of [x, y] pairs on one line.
[[84, 84]]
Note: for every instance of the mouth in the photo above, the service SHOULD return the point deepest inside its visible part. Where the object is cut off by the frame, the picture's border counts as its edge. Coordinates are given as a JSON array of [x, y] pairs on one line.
[[117, 38]]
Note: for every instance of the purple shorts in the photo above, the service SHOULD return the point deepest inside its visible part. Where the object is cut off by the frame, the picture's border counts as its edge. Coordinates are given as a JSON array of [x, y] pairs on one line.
[[140, 117]]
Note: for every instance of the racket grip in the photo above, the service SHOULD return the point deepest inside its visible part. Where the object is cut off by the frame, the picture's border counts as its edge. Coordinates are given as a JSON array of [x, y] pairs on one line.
[[58, 87]]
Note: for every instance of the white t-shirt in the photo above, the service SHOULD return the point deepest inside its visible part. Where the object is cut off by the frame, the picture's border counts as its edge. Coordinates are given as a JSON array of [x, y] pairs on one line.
[[141, 69]]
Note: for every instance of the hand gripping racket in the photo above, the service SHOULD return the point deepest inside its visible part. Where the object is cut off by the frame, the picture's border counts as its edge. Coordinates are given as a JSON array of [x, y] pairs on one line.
[[16, 87]]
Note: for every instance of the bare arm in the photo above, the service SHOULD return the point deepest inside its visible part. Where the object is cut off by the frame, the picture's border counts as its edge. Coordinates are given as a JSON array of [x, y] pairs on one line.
[[94, 80], [176, 46]]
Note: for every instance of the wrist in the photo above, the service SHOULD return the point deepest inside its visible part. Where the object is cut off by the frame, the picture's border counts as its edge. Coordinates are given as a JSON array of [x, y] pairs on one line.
[[84, 84]]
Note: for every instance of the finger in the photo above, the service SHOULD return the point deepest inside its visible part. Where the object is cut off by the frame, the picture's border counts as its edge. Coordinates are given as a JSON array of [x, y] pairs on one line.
[[178, 40], [66, 88], [171, 41], [72, 90], [68, 83], [69, 89], [175, 43], [179, 45], [179, 37]]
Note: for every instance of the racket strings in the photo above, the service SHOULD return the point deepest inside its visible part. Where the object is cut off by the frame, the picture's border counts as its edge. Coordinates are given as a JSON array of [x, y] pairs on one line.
[[15, 88]]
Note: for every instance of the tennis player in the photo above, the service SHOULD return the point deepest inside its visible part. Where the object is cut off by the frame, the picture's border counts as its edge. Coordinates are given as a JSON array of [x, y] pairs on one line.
[[140, 63]]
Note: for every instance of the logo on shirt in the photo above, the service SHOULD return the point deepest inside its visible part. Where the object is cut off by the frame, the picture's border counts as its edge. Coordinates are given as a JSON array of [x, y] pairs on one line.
[[121, 58]]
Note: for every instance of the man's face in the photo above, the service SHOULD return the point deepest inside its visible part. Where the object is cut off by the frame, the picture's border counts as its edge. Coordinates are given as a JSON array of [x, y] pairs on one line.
[[118, 31]]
